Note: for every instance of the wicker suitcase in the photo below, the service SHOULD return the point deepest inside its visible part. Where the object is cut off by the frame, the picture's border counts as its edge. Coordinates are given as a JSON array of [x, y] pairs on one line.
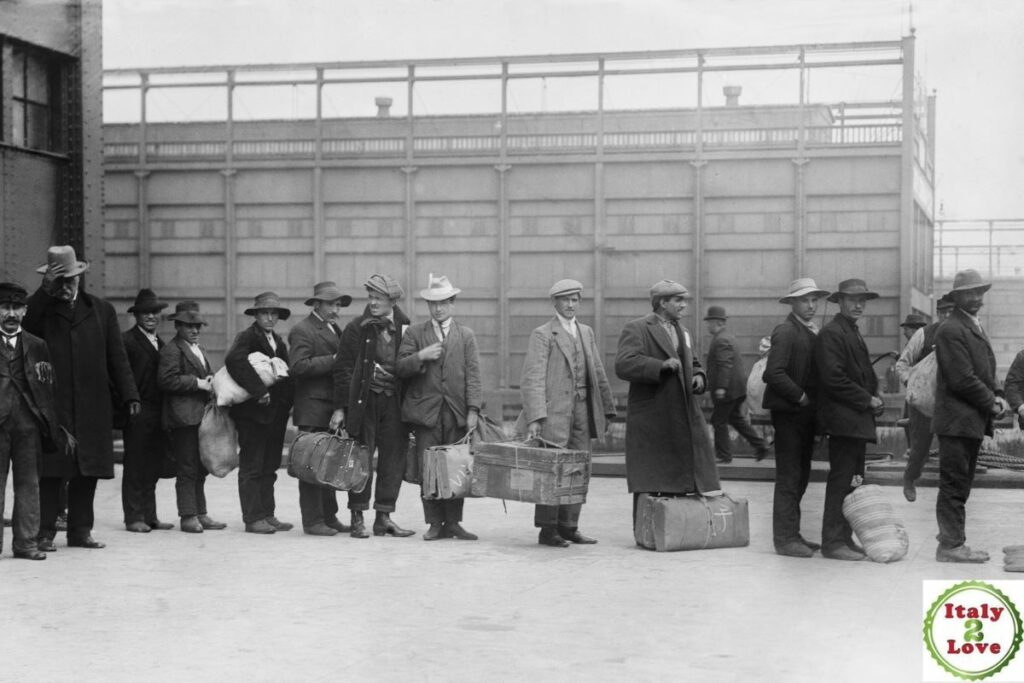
[[337, 462], [531, 474], [691, 522]]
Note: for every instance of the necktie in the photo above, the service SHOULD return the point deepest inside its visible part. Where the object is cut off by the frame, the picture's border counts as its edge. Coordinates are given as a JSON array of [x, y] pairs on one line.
[[12, 341], [334, 328], [444, 332]]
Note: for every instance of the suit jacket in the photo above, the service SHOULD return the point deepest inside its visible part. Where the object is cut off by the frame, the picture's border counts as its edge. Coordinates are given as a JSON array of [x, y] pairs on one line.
[[548, 382], [790, 371], [846, 381], [1014, 383], [54, 461], [251, 340], [178, 375], [453, 379], [668, 447], [725, 368], [966, 386], [143, 360], [313, 347]]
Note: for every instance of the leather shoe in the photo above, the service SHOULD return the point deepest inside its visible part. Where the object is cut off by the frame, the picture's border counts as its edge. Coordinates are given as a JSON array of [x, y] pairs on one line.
[[30, 554], [320, 529], [260, 527], [358, 528], [574, 536], [433, 533], [794, 549], [62, 522], [157, 525], [84, 542], [46, 545], [191, 525], [338, 526], [760, 454], [138, 527], [810, 544], [549, 536], [843, 553], [960, 554], [723, 461], [383, 526], [278, 524], [211, 524], [455, 530], [909, 491]]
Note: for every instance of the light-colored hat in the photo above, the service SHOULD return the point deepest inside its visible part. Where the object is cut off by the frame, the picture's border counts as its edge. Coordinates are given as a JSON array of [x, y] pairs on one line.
[[566, 287], [187, 312], [439, 288], [802, 286], [328, 291], [268, 301], [716, 313], [852, 287], [668, 288], [62, 261], [386, 285], [969, 279]]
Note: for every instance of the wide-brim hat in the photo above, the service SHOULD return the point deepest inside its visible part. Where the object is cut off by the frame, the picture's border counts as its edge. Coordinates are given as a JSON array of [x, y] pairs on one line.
[[944, 302], [914, 320], [187, 312], [802, 286], [62, 261], [969, 279], [269, 301], [13, 293], [852, 287], [386, 285], [565, 288], [146, 301], [668, 288], [716, 313], [328, 291], [439, 288]]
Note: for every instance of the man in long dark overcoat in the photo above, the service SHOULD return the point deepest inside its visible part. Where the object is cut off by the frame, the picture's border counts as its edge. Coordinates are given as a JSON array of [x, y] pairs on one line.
[[92, 371], [967, 401], [668, 449]]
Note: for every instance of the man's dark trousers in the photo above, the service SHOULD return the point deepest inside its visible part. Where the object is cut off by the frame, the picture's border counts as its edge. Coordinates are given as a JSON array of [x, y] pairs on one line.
[[919, 432], [19, 451], [260, 446], [80, 493], [446, 431], [727, 413], [318, 504], [958, 458], [189, 486], [567, 517], [145, 444], [845, 459], [794, 446], [382, 429]]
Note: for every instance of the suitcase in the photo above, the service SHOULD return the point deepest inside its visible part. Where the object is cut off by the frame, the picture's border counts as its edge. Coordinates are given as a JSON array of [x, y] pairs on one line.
[[531, 474], [447, 471], [336, 462], [873, 519], [691, 522]]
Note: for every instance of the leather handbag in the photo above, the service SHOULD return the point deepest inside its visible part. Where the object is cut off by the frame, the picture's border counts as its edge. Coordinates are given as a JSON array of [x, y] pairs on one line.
[[334, 460]]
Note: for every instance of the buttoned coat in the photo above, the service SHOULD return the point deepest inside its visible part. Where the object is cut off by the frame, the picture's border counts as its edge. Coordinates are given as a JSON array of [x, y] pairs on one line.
[[846, 381], [966, 386], [143, 359], [313, 345], [668, 448], [790, 371], [178, 375], [252, 340], [453, 379], [549, 382], [725, 367], [91, 371], [54, 460], [1014, 384]]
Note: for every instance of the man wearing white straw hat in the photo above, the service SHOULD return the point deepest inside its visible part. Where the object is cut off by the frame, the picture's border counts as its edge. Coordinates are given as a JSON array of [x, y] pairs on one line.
[[439, 365]]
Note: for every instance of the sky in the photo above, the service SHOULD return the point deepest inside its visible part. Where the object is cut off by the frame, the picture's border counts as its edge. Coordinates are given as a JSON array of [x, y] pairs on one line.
[[969, 53]]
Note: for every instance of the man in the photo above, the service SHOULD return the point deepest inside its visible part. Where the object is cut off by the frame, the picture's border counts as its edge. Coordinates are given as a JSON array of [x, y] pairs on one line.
[[440, 368], [28, 418], [1014, 386], [848, 403], [967, 401], [919, 428], [791, 381], [145, 441], [727, 378], [263, 419], [368, 401], [92, 371], [567, 400], [667, 446], [314, 341]]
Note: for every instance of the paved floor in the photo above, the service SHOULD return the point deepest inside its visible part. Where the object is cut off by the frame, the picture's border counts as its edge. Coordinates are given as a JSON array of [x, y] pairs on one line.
[[230, 606]]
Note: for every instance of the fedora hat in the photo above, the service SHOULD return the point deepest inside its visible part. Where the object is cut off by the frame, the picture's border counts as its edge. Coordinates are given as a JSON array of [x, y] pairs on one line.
[[328, 291], [268, 301], [386, 285], [802, 286], [969, 279], [13, 293], [439, 288], [716, 313], [61, 260], [852, 287], [146, 301], [566, 287], [187, 312], [944, 302], [914, 320]]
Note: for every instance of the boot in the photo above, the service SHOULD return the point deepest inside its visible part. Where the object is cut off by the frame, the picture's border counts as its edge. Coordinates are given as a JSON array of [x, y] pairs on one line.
[[383, 526], [358, 526]]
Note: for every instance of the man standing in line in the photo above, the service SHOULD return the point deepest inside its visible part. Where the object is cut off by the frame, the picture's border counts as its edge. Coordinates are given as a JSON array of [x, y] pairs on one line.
[[727, 380], [967, 401], [314, 341], [791, 380], [91, 368], [440, 368], [368, 401]]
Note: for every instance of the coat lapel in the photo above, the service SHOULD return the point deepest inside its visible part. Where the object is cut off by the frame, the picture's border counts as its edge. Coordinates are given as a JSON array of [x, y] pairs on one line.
[[563, 340], [143, 341], [661, 336], [191, 358]]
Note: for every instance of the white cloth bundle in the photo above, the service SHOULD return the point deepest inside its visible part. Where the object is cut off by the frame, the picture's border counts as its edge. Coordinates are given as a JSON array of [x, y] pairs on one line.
[[227, 390]]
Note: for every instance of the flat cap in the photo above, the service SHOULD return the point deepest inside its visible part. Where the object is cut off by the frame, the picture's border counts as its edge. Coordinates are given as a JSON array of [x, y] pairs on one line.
[[566, 287], [386, 285], [668, 288]]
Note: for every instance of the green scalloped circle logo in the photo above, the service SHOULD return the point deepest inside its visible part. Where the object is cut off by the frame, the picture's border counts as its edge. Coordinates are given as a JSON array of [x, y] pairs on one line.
[[972, 630]]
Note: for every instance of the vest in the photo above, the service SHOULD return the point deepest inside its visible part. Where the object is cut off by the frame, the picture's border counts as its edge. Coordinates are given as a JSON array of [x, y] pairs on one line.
[[14, 387]]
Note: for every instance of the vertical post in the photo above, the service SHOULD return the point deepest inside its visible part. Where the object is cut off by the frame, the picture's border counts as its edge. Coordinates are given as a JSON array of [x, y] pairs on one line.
[[319, 222], [504, 317], [599, 213], [906, 235], [410, 197], [143, 95], [800, 190], [145, 236], [698, 206], [230, 222]]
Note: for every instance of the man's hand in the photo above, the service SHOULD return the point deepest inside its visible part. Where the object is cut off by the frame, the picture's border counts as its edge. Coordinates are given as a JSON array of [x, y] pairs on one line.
[[533, 430], [472, 417], [134, 408], [1000, 407], [804, 400], [44, 372], [51, 279], [337, 420], [430, 353], [205, 383], [877, 406], [671, 365], [699, 384], [264, 400]]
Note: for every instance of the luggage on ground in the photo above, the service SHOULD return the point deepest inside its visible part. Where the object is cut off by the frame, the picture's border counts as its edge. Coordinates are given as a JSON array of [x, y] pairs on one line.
[[873, 519], [691, 522]]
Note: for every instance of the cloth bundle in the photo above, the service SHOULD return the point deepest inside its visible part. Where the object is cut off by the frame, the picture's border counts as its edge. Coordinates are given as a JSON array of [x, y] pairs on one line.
[[692, 522], [872, 518], [218, 441], [756, 387], [447, 471], [227, 390], [921, 384]]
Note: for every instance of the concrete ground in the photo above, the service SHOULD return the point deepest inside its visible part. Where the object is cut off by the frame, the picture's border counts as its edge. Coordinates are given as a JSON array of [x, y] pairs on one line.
[[231, 606]]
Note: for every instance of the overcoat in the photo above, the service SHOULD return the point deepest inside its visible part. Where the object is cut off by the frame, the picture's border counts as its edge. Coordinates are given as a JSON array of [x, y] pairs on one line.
[[91, 371], [1014, 384], [846, 381], [790, 371], [453, 379], [549, 380], [313, 345], [668, 448], [251, 340], [966, 386], [725, 368], [53, 462], [178, 378]]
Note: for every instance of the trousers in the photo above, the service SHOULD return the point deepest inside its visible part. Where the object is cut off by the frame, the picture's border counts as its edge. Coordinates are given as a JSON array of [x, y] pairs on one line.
[[81, 491], [729, 413], [446, 431], [317, 504], [919, 434], [383, 430], [190, 484], [20, 445], [958, 458], [794, 446], [145, 443], [568, 516], [260, 445], [845, 459]]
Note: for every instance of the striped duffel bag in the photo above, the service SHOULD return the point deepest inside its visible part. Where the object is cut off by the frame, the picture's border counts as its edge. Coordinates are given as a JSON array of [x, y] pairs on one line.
[[873, 520]]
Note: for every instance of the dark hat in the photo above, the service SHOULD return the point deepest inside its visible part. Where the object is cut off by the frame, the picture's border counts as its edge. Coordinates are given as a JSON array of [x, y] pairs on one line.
[[386, 285], [565, 288], [328, 291], [802, 286], [668, 288], [146, 301], [852, 287], [716, 313], [944, 302], [61, 260], [268, 301], [914, 320], [187, 312], [969, 279], [13, 293]]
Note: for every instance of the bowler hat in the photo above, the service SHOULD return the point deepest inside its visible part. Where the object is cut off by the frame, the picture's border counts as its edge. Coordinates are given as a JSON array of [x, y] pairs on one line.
[[146, 301], [187, 312], [328, 291], [914, 320], [969, 279], [61, 260], [13, 293], [716, 313], [802, 286], [852, 287], [944, 302], [668, 288], [268, 301], [439, 288], [566, 287], [386, 285]]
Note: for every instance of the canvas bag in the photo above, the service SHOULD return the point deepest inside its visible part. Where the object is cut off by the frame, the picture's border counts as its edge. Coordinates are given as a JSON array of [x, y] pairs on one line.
[[218, 441], [921, 384], [873, 519]]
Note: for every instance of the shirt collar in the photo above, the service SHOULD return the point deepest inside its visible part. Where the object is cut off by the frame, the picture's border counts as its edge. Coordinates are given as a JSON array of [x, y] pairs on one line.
[[11, 334], [567, 323], [809, 324]]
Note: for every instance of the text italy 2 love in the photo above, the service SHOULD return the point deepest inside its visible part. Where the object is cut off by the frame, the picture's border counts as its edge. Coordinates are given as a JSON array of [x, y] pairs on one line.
[[972, 630]]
